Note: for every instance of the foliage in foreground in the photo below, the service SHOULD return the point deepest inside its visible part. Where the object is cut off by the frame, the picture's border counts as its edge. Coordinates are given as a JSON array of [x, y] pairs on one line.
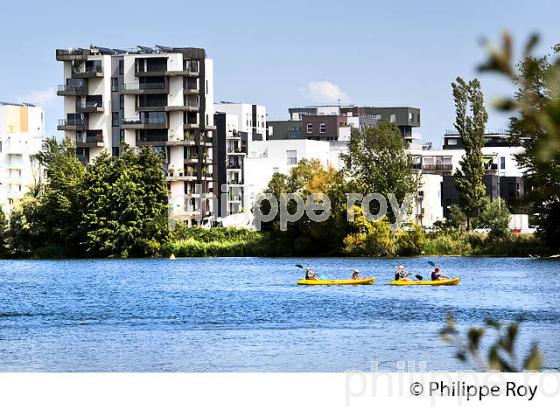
[[535, 125], [502, 354]]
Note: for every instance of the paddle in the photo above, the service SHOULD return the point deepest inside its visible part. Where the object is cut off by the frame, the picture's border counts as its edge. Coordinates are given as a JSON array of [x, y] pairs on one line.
[[419, 277]]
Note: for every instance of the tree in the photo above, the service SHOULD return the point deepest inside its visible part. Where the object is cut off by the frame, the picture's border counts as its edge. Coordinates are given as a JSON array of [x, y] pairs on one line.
[[377, 162], [535, 126], [3, 231], [307, 237], [495, 216], [470, 122], [125, 205]]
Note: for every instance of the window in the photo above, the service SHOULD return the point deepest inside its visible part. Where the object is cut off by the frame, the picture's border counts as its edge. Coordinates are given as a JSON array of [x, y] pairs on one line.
[[122, 135], [309, 128], [121, 67], [502, 162], [114, 84], [291, 156], [322, 128], [392, 118], [115, 151], [121, 101], [115, 119], [410, 116], [452, 141]]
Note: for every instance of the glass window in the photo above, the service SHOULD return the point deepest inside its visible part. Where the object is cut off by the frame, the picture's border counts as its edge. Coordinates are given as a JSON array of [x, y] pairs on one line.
[[291, 156], [309, 128], [115, 119], [322, 128], [392, 118], [121, 67], [121, 101], [114, 84], [502, 162]]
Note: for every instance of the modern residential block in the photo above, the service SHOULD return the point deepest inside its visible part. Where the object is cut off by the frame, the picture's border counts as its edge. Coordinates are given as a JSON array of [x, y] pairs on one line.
[[238, 125], [21, 137], [160, 97]]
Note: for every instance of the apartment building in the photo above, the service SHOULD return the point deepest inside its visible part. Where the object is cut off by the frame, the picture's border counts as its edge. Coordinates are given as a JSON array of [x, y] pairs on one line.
[[335, 123], [239, 125], [161, 97], [21, 137], [503, 178]]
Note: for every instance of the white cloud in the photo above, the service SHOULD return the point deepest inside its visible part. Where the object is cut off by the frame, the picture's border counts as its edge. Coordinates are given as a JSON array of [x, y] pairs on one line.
[[324, 92], [43, 98]]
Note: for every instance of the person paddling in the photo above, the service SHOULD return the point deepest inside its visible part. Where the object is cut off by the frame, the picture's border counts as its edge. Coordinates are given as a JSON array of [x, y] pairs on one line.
[[309, 274], [437, 275], [401, 273], [356, 275]]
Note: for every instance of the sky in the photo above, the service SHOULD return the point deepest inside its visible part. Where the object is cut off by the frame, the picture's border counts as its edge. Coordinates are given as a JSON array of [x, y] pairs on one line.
[[286, 53]]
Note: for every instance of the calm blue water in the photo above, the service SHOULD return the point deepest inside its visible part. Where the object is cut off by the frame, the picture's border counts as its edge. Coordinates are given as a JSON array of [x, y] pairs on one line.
[[247, 314]]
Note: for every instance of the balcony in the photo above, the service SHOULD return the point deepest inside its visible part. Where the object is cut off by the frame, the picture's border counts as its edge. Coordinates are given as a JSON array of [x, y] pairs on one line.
[[145, 88], [88, 107], [92, 71], [144, 123], [71, 54], [191, 91], [72, 124], [437, 167], [71, 90], [191, 126], [89, 139], [153, 70]]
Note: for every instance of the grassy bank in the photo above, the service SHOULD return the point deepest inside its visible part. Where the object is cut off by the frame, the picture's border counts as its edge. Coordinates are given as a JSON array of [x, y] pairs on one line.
[[196, 242]]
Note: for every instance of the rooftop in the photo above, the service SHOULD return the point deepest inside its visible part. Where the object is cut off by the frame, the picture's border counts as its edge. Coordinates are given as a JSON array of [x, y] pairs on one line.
[[157, 49], [23, 104]]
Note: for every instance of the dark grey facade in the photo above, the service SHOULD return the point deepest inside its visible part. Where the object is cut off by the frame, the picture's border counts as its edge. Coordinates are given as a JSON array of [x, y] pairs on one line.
[[510, 189], [284, 130]]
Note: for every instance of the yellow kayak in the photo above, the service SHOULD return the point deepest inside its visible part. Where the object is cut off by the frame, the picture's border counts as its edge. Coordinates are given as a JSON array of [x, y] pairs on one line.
[[362, 281], [442, 282]]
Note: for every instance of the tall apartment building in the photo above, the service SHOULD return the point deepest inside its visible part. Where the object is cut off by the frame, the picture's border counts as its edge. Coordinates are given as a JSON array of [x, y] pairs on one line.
[[238, 126], [160, 97], [21, 137]]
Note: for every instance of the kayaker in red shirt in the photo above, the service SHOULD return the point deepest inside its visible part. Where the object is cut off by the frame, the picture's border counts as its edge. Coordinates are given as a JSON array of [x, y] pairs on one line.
[[356, 275], [437, 275]]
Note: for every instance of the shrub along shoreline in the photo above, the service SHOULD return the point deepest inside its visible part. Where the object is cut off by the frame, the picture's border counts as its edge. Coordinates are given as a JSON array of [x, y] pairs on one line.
[[238, 242]]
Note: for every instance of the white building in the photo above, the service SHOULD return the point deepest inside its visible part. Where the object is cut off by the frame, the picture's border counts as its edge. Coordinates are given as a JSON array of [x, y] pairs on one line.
[[21, 137], [239, 126], [160, 97], [268, 157]]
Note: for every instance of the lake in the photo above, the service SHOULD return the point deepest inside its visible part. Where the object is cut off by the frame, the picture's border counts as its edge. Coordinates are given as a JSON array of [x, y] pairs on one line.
[[247, 314]]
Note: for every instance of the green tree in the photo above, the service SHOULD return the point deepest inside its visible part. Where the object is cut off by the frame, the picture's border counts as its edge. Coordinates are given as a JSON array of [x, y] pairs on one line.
[[125, 205], [3, 232], [535, 126], [307, 237], [495, 217], [470, 122], [377, 162]]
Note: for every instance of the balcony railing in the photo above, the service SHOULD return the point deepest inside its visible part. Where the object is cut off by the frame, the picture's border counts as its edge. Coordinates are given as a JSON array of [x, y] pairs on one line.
[[143, 86], [87, 72], [89, 106], [437, 167], [89, 139], [144, 121], [71, 123], [71, 89]]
